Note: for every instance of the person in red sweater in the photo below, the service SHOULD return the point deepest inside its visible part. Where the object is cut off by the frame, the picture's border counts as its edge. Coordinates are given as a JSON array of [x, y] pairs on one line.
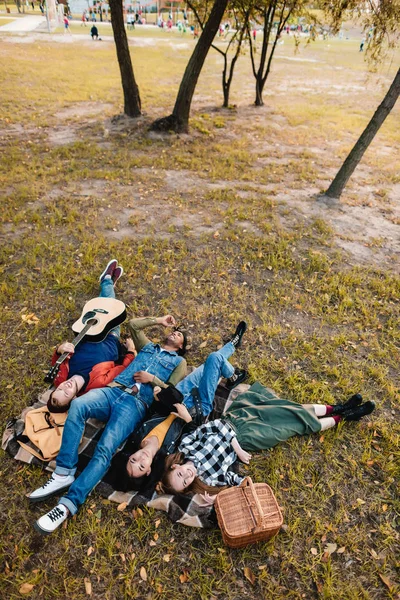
[[91, 365]]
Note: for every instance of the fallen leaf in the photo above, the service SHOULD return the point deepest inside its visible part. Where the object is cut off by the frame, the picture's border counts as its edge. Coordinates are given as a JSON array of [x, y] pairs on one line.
[[156, 536], [159, 588], [248, 573], [26, 588], [203, 345], [384, 507], [323, 539], [122, 555], [386, 581], [360, 501], [139, 512], [341, 550], [166, 557], [330, 548], [184, 577], [143, 573], [373, 554], [314, 551], [90, 550], [152, 543], [88, 586], [216, 234], [157, 523], [122, 506]]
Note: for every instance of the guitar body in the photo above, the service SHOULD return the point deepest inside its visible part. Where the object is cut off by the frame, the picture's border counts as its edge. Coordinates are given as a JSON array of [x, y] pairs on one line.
[[104, 314]]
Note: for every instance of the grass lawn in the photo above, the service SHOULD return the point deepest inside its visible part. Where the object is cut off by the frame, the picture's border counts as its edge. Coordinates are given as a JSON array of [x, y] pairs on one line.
[[215, 226]]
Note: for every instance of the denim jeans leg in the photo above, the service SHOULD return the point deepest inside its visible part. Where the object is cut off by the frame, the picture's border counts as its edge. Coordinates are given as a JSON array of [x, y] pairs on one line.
[[97, 404], [126, 415], [107, 290]]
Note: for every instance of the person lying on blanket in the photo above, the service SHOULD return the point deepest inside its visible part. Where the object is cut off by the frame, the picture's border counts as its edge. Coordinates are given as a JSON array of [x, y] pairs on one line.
[[197, 391], [256, 420], [91, 365], [122, 405]]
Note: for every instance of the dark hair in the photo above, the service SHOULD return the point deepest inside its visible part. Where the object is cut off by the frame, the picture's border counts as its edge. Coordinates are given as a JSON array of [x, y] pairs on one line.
[[118, 476], [182, 351], [196, 487]]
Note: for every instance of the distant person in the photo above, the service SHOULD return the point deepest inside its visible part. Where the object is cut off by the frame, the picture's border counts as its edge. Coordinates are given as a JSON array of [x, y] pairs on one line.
[[94, 20], [83, 18], [94, 32], [362, 45], [33, 5], [254, 34], [66, 26]]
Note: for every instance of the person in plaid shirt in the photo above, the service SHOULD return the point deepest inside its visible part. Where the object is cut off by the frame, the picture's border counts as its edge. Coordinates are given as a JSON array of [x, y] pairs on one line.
[[256, 420]]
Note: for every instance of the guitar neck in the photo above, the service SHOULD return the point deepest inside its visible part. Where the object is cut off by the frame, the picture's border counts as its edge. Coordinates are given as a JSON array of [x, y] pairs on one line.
[[76, 341]]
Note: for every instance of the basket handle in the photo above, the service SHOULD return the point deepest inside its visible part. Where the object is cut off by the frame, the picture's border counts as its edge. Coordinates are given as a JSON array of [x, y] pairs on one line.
[[248, 482]]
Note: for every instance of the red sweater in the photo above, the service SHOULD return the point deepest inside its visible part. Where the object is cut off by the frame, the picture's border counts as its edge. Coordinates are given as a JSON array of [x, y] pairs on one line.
[[102, 374]]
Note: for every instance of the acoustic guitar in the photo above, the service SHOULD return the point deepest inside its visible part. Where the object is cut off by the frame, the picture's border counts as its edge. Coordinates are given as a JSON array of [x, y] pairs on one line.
[[99, 316]]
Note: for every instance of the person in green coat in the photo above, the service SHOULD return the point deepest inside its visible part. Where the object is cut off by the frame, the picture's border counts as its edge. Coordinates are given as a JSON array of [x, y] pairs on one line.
[[256, 420]]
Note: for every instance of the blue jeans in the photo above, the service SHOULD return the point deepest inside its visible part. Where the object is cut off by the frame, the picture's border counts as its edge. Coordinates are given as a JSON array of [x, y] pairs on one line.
[[107, 291], [206, 378], [121, 412]]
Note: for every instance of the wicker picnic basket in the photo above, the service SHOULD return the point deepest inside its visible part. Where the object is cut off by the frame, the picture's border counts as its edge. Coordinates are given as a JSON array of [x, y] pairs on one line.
[[247, 513]]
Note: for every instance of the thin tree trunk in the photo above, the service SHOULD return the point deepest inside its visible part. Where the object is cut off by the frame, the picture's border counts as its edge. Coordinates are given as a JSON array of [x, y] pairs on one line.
[[336, 188], [179, 120], [132, 105]]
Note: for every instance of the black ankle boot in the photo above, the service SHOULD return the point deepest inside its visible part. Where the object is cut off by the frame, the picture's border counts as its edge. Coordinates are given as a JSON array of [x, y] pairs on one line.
[[355, 414], [236, 339], [352, 402], [239, 376]]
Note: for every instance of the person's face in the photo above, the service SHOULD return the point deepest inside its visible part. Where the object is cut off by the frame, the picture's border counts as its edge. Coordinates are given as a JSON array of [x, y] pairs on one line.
[[139, 463], [175, 339], [181, 476], [64, 393]]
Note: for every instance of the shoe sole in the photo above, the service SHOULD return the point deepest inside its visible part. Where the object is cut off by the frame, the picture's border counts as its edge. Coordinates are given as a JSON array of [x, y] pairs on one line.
[[230, 388], [40, 530], [119, 276], [106, 269], [43, 498]]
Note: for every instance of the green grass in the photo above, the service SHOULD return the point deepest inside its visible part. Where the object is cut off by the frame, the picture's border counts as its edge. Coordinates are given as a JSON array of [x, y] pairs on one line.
[[210, 233]]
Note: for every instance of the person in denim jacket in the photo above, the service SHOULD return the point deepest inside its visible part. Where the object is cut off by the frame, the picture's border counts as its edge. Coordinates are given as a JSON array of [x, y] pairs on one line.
[[122, 405]]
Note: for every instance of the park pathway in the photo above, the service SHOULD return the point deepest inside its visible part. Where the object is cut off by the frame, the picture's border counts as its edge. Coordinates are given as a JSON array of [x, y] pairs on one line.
[[24, 24]]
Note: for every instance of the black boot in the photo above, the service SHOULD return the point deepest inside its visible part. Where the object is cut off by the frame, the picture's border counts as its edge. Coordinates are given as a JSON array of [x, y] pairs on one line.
[[239, 376], [352, 402], [355, 414], [236, 339]]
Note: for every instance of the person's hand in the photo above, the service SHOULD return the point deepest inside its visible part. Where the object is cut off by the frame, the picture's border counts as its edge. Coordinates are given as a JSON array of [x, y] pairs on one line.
[[167, 321], [182, 412], [130, 346], [66, 347], [143, 377], [156, 391], [207, 499], [244, 456]]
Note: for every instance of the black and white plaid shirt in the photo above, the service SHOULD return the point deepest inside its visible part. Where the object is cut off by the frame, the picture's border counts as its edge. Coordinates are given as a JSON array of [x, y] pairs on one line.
[[209, 448]]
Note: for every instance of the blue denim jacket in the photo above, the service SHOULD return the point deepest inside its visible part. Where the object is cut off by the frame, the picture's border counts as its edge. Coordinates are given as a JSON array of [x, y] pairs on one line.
[[152, 360]]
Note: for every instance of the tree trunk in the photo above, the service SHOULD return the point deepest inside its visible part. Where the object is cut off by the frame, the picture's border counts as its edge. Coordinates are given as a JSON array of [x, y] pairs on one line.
[[259, 90], [132, 106], [179, 120], [336, 188]]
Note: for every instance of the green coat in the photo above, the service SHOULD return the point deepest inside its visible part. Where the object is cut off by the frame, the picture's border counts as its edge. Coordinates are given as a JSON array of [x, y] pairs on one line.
[[262, 420]]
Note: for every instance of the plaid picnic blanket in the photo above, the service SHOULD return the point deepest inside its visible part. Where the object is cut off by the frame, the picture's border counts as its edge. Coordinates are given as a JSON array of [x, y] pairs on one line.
[[180, 508]]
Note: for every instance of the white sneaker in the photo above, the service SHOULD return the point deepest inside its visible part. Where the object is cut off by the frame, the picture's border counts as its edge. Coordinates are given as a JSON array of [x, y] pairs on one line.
[[55, 484], [51, 520]]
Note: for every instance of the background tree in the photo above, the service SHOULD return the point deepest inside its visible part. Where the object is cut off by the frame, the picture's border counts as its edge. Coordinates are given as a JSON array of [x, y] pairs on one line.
[[337, 186], [132, 104], [381, 25], [273, 15], [240, 11], [179, 119]]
